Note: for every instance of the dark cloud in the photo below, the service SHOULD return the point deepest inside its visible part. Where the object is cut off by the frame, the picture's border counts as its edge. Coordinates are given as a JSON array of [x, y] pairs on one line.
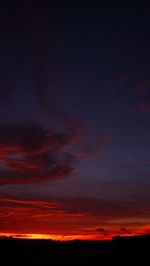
[[100, 230], [125, 231], [30, 154], [105, 234], [122, 229], [103, 209]]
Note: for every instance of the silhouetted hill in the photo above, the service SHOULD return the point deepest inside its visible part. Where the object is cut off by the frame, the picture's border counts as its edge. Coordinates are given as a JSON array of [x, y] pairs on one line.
[[119, 251]]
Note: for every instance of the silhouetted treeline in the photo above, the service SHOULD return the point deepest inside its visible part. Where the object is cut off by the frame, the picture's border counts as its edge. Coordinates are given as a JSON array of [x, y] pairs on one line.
[[119, 251]]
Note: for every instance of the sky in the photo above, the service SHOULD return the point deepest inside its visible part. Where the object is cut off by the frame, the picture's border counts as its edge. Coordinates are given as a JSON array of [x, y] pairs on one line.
[[74, 119]]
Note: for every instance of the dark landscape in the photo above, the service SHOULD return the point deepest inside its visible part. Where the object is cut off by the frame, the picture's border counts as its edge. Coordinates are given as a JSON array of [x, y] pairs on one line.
[[119, 251]]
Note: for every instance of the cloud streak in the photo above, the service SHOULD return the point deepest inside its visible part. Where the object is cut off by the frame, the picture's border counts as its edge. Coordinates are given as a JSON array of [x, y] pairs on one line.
[[82, 215]]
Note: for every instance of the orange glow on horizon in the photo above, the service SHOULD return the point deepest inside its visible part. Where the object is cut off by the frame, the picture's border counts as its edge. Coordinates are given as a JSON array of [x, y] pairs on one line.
[[53, 236], [61, 237]]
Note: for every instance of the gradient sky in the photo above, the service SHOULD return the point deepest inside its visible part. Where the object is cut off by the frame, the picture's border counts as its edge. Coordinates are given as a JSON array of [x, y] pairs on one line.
[[74, 119]]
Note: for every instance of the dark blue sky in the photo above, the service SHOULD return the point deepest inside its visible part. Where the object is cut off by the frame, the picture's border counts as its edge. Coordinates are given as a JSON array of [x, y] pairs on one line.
[[74, 113]]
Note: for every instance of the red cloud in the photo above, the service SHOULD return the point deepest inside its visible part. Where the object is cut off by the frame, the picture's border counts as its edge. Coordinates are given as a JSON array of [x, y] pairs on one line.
[[75, 215], [30, 154]]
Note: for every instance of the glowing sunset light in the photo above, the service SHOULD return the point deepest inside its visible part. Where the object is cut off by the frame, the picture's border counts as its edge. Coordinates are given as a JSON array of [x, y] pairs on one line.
[[101, 235], [53, 237]]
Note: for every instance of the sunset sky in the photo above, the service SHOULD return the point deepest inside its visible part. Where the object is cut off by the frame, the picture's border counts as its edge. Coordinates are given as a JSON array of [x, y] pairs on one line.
[[74, 119]]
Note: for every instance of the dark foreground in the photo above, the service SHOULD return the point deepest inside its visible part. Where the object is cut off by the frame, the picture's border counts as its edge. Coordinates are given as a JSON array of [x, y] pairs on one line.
[[119, 251]]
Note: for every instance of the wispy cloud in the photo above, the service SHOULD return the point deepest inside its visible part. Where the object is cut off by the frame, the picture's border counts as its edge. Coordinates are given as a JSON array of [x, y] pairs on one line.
[[72, 214]]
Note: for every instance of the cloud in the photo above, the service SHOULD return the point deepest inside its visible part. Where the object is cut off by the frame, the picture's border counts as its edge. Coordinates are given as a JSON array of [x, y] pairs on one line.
[[30, 154], [100, 230], [86, 206], [125, 231], [77, 215]]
